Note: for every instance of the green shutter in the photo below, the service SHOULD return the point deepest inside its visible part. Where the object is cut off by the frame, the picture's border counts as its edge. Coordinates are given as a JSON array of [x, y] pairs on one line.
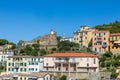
[[20, 78], [25, 69], [21, 69], [8, 69]]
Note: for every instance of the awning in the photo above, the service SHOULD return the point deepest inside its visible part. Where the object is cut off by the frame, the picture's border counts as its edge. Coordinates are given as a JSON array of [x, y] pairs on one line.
[[117, 42]]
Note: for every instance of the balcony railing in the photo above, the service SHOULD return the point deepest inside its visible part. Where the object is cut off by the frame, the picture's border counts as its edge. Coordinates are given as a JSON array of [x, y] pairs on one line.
[[65, 61]]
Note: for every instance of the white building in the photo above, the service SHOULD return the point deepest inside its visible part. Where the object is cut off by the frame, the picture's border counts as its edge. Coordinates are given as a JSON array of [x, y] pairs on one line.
[[24, 64], [4, 54], [70, 39], [35, 64]]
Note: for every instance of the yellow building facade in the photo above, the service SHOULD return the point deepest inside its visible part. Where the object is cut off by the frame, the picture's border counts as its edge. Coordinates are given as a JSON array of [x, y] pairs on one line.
[[83, 36], [115, 43]]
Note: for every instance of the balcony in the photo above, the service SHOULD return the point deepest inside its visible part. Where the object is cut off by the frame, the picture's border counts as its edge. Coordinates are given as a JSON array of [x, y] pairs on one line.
[[64, 61], [117, 45]]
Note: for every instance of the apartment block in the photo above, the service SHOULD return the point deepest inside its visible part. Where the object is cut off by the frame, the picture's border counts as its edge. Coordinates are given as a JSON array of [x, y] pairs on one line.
[[71, 63], [3, 56], [100, 41], [24, 64], [83, 36], [115, 43]]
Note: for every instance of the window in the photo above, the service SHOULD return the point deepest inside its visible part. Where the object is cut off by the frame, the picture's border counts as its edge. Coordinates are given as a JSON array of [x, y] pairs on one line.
[[104, 38], [95, 34], [21, 64], [47, 68], [21, 69], [38, 59], [94, 43], [16, 70], [12, 64], [8, 69], [20, 78], [59, 68], [99, 34], [95, 39], [12, 69], [34, 59], [29, 63], [36, 69], [104, 33], [9, 64], [9, 58], [36, 63], [25, 69], [24, 64], [87, 65], [74, 69], [66, 69], [112, 38], [25, 78], [95, 49], [47, 64], [116, 38], [94, 61], [73, 59]]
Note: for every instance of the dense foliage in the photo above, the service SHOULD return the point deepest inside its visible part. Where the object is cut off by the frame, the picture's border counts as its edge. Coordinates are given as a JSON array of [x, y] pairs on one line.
[[110, 62], [3, 42], [67, 46], [63, 77], [112, 27]]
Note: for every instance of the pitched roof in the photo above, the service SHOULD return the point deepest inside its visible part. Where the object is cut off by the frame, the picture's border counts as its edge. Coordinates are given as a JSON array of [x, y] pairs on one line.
[[71, 55], [115, 34]]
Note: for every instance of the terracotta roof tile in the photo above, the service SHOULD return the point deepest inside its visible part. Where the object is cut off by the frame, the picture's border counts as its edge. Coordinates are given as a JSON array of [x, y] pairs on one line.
[[71, 55]]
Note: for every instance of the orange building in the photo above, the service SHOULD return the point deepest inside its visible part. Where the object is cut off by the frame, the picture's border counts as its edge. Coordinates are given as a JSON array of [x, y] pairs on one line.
[[100, 41]]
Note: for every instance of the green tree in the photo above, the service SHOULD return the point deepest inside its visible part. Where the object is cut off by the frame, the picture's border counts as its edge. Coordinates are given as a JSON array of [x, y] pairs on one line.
[[28, 50], [3, 42], [108, 54], [63, 77], [36, 46], [13, 45], [67, 46], [90, 44], [58, 38], [42, 52]]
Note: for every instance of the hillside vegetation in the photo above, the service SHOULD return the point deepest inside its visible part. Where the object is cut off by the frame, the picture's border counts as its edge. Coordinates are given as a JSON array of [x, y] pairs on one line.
[[112, 27]]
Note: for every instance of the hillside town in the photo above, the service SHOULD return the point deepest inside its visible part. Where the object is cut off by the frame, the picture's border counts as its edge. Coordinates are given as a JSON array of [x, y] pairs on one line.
[[90, 54]]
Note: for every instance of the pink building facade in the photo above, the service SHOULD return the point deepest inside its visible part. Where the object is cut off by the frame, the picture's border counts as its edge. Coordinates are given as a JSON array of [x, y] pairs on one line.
[[100, 41], [71, 63]]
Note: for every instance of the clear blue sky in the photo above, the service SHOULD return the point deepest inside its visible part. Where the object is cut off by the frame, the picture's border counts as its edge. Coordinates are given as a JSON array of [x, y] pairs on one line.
[[27, 19]]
